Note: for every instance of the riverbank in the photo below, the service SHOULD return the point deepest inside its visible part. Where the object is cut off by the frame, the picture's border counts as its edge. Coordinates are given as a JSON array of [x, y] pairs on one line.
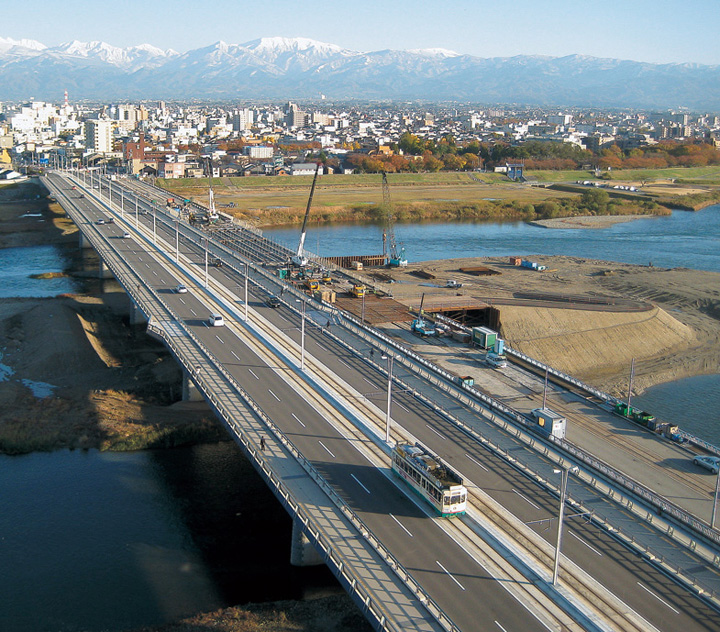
[[674, 333]]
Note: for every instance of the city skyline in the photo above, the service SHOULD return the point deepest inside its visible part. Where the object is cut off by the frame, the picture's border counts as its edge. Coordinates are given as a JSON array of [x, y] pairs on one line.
[[655, 32]]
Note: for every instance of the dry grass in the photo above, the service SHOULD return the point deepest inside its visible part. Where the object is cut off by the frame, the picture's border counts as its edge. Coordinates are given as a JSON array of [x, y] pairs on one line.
[[326, 614]]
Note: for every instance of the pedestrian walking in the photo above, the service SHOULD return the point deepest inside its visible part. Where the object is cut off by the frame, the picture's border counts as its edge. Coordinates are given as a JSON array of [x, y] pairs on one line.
[[262, 443], [372, 352]]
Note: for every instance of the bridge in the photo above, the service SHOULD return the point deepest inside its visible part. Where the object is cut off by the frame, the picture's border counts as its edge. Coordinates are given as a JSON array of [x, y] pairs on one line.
[[312, 385]]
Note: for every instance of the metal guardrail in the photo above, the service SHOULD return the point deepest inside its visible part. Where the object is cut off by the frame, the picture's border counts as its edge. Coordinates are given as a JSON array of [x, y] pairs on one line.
[[586, 458], [312, 529]]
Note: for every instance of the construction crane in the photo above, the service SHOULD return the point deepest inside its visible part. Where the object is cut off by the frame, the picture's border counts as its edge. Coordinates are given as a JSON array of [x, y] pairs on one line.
[[390, 251], [300, 260]]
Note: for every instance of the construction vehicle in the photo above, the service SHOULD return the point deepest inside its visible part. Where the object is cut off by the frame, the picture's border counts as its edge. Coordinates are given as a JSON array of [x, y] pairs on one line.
[[358, 290], [312, 284], [299, 259], [453, 283], [393, 258], [420, 326]]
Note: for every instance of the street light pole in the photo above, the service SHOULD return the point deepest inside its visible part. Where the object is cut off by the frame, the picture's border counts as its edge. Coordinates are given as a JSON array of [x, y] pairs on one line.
[[206, 263], [715, 500], [247, 270], [302, 338], [177, 241], [389, 398], [154, 230], [136, 212], [362, 316], [563, 488]]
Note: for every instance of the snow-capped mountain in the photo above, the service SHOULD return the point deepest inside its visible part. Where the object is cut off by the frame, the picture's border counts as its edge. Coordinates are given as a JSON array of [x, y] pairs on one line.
[[294, 68]]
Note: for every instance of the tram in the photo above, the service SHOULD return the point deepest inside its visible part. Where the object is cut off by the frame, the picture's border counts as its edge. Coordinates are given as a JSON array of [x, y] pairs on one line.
[[434, 481]]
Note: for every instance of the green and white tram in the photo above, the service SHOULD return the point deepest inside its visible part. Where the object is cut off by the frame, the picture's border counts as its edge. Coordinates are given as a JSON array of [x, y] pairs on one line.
[[430, 478]]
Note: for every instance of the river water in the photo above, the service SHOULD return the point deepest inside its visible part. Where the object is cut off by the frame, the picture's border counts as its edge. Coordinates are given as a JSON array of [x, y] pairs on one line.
[[109, 541]]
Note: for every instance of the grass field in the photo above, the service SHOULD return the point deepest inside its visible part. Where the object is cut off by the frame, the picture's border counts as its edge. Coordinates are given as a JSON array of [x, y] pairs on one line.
[[269, 200]]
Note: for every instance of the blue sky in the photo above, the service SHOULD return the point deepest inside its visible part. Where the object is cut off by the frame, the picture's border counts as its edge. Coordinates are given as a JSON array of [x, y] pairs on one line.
[[658, 31]]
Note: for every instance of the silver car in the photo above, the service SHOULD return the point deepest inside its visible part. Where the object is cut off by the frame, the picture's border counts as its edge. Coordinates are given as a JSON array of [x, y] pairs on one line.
[[711, 463]]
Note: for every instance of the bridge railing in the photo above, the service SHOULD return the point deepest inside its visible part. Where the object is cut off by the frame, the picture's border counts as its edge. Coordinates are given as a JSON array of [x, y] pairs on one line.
[[315, 531]]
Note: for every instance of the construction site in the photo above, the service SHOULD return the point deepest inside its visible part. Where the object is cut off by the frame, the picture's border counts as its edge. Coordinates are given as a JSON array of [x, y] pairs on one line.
[[586, 318]]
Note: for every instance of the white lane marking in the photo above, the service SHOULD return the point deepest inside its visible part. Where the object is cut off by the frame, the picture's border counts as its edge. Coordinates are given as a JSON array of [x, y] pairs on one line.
[[477, 462], [253, 374], [155, 273], [323, 347], [402, 526], [345, 364], [183, 302], [525, 498], [162, 281], [371, 383], [147, 265], [298, 420], [407, 410], [273, 394], [502, 628], [235, 354], [326, 449], [220, 339], [358, 482], [193, 312], [435, 431], [450, 575], [281, 317], [139, 258], [590, 546], [662, 601]]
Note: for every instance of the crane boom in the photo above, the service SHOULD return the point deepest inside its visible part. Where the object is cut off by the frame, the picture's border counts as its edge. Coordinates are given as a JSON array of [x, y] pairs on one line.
[[300, 259]]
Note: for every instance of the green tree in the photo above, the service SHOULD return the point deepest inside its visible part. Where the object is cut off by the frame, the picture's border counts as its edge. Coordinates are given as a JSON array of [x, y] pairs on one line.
[[595, 200]]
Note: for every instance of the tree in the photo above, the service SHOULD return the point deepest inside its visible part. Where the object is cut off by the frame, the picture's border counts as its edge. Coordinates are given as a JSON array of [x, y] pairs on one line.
[[595, 200]]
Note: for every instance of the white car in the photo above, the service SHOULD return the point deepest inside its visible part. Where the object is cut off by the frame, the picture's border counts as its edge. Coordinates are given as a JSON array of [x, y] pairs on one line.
[[711, 463], [216, 320], [181, 289], [126, 235]]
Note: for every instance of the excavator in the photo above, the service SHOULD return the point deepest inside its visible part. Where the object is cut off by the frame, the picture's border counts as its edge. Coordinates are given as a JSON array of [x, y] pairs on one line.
[[300, 260]]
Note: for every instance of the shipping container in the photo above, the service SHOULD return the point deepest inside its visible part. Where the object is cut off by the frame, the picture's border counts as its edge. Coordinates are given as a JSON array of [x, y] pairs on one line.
[[484, 337], [549, 423]]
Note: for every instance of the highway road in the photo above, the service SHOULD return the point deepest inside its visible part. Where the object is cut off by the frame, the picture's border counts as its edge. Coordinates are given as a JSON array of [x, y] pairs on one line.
[[438, 562]]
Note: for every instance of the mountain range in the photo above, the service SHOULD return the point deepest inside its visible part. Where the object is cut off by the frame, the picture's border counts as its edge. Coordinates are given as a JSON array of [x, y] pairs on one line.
[[301, 68]]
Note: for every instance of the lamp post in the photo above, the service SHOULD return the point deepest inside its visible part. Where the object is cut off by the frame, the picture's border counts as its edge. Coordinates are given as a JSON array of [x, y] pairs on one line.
[[390, 360], [247, 270], [122, 204], [302, 334], [715, 500], [362, 315], [177, 241], [136, 212], [563, 488], [207, 284], [154, 227]]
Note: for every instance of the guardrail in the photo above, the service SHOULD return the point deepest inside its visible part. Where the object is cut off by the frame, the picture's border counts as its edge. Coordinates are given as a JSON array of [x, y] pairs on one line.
[[190, 362], [493, 405]]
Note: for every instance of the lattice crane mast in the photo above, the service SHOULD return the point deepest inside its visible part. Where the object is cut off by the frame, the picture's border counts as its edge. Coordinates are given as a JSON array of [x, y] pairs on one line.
[[390, 251]]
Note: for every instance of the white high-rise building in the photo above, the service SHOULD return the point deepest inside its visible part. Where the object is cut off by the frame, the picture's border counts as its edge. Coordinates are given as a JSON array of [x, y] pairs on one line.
[[98, 136]]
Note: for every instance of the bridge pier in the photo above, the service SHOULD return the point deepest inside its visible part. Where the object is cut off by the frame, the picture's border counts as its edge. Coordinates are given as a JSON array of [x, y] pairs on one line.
[[137, 316], [302, 552], [84, 241], [190, 392], [103, 271]]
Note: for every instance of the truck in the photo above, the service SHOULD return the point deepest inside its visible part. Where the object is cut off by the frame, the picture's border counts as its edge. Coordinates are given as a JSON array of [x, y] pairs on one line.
[[532, 265], [312, 284], [548, 422], [453, 283], [358, 290], [633, 414], [423, 328]]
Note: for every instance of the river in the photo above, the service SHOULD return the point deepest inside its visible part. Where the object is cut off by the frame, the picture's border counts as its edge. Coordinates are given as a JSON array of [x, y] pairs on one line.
[[109, 541]]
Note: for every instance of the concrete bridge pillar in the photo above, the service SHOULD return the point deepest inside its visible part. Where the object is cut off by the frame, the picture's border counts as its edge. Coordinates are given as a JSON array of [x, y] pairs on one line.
[[84, 241], [302, 552], [137, 316], [190, 392], [103, 271]]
